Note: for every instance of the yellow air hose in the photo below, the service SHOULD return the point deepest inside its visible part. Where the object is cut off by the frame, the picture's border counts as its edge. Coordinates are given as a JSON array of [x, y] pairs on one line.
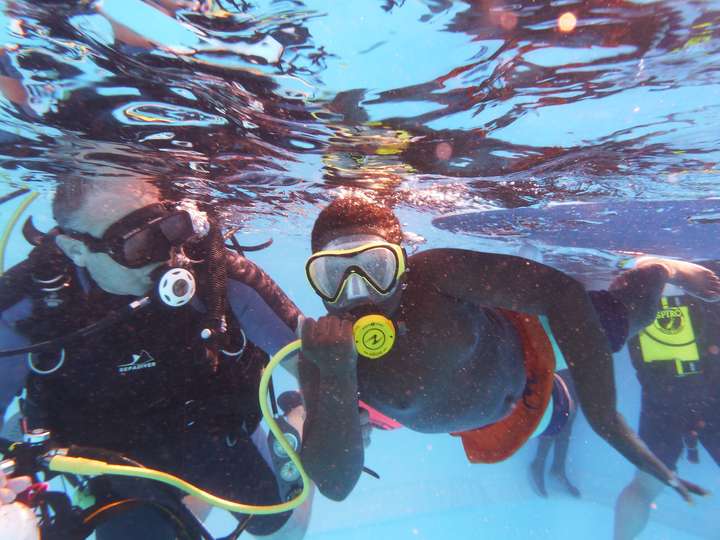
[[5, 238], [91, 467]]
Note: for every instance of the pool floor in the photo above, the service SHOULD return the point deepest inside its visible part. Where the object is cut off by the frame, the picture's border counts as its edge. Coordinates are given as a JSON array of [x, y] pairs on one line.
[[554, 519]]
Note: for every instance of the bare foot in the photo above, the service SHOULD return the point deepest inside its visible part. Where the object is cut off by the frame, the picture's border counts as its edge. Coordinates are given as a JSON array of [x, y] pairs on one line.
[[696, 280], [562, 478], [537, 478]]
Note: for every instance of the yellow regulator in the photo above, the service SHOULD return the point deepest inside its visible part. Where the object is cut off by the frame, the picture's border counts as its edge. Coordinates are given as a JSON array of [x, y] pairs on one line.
[[374, 336]]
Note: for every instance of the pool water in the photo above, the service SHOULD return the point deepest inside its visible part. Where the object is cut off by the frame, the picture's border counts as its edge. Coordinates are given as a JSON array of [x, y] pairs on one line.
[[267, 110]]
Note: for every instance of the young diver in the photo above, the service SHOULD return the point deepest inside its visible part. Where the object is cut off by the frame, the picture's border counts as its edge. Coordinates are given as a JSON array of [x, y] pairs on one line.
[[152, 386], [449, 340]]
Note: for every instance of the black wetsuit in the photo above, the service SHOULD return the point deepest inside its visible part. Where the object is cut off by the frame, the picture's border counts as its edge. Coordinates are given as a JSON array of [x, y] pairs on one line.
[[144, 388], [681, 389]]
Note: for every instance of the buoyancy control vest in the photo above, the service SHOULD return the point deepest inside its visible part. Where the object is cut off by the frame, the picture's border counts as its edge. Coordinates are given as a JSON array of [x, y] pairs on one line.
[[149, 374], [140, 381], [681, 346]]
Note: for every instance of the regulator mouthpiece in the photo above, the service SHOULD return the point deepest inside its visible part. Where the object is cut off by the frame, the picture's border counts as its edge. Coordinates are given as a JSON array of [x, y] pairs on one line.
[[374, 336], [176, 287]]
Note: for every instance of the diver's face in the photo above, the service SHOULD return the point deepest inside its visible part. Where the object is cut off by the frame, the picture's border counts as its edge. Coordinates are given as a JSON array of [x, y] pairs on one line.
[[358, 298], [102, 209]]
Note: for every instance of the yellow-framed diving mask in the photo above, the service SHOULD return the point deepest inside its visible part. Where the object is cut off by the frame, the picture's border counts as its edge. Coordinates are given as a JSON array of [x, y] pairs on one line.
[[380, 265]]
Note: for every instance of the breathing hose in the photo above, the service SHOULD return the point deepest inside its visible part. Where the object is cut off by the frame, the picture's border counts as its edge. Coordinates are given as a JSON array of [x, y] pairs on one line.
[[92, 467], [5, 237]]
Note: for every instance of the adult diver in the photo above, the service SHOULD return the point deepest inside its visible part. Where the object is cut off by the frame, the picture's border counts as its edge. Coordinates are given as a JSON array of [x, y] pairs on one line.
[[174, 388], [450, 341], [676, 358]]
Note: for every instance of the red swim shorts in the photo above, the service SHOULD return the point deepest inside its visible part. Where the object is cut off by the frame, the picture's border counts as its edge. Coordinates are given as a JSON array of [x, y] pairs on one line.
[[499, 441]]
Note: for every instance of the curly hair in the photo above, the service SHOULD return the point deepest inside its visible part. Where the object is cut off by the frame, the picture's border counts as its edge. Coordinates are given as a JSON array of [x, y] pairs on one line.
[[355, 215]]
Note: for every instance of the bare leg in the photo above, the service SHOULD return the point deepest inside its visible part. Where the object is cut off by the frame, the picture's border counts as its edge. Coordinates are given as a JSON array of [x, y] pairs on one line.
[[537, 467], [697, 280], [562, 443], [632, 509], [640, 288]]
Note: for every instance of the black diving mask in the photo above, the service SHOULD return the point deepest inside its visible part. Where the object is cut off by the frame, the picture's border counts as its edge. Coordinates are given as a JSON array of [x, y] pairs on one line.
[[143, 237]]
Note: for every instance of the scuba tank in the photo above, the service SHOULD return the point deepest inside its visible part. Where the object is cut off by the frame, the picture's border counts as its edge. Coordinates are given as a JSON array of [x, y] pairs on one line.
[[288, 475]]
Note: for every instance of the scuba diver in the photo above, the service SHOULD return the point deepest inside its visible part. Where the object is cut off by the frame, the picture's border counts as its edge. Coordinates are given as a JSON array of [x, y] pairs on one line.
[[450, 340], [169, 379], [677, 363]]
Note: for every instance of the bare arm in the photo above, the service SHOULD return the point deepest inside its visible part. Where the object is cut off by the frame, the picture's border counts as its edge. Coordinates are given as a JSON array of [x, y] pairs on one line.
[[590, 361], [525, 286], [332, 450]]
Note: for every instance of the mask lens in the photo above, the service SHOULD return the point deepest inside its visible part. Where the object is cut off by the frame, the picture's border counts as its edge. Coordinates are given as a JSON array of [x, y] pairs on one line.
[[327, 273], [143, 247], [379, 265], [153, 242], [177, 228]]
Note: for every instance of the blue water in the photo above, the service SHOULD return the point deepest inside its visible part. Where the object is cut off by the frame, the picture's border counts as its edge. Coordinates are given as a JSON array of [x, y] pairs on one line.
[[266, 110], [429, 491]]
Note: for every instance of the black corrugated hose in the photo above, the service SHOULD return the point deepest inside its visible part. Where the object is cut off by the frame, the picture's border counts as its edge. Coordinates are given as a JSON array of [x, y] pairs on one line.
[[216, 298]]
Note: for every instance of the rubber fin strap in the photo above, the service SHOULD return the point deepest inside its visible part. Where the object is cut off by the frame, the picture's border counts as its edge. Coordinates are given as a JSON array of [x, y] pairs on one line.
[[240, 249]]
